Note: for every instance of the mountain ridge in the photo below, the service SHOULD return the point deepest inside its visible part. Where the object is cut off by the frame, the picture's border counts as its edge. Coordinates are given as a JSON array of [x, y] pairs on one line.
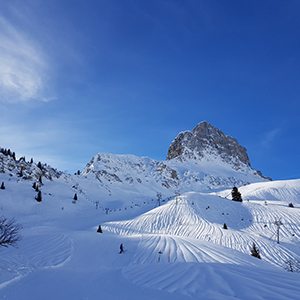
[[203, 160]]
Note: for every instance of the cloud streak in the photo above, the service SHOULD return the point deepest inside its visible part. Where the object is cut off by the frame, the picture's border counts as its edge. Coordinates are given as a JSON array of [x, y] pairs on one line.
[[23, 66], [270, 136]]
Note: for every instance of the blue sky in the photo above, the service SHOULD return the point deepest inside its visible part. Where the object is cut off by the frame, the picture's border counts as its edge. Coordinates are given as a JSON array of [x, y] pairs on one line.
[[125, 77]]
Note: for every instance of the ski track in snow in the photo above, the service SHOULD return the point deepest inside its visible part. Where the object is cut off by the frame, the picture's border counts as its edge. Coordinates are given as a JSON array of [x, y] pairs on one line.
[[188, 219], [221, 279], [46, 250]]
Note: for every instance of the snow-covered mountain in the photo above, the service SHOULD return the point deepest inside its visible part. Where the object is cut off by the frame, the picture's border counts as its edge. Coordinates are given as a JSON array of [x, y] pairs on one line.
[[176, 246], [203, 160], [210, 144]]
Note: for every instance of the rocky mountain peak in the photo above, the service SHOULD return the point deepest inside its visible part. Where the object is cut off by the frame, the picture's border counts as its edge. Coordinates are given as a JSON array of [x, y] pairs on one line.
[[208, 142]]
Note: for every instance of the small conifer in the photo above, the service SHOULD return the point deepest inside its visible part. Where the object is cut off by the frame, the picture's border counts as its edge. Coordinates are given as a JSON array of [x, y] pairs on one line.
[[39, 165], [38, 198], [236, 195], [255, 251]]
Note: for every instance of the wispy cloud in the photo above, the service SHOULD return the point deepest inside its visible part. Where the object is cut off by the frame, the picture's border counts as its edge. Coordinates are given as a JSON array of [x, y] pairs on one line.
[[22, 65], [270, 137]]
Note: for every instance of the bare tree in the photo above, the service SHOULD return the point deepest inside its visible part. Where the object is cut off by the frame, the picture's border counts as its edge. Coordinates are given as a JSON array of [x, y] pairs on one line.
[[9, 232]]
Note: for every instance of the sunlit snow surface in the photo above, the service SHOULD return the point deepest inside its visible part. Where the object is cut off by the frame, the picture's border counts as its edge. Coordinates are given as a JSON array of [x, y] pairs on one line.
[[61, 256]]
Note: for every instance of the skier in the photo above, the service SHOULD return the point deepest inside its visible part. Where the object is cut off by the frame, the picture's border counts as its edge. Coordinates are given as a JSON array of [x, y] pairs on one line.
[[160, 253], [121, 249]]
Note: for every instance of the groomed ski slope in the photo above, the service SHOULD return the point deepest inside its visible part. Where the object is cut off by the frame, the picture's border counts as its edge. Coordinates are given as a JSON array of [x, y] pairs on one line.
[[201, 217], [61, 256]]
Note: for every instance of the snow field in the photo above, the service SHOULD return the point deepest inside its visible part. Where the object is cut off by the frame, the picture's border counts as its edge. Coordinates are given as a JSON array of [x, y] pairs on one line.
[[201, 217], [216, 281], [62, 256]]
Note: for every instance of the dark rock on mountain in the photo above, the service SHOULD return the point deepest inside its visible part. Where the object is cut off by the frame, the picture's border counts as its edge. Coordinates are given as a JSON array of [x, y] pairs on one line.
[[208, 140], [209, 143]]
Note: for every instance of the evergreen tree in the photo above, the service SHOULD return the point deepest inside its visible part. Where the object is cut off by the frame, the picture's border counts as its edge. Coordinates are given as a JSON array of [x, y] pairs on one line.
[[2, 186], [255, 251], [236, 195], [225, 226], [75, 197], [99, 229], [38, 198], [39, 165]]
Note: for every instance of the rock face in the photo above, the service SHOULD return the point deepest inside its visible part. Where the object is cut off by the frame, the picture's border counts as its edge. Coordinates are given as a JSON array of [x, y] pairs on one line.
[[208, 142]]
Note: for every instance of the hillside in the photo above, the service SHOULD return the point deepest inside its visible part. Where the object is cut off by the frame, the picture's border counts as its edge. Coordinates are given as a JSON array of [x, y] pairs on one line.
[[62, 256]]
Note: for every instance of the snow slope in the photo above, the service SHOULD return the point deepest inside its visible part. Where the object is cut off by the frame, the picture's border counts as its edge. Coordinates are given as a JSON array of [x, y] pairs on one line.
[[61, 256], [119, 174]]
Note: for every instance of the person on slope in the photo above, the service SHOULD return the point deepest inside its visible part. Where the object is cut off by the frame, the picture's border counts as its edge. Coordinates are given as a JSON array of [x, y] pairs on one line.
[[121, 249]]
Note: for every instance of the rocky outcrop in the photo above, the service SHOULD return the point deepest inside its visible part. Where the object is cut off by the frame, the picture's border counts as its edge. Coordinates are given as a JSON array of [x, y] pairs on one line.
[[207, 142]]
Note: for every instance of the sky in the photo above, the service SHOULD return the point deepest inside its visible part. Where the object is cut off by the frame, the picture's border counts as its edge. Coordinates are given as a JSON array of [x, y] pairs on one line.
[[126, 77]]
